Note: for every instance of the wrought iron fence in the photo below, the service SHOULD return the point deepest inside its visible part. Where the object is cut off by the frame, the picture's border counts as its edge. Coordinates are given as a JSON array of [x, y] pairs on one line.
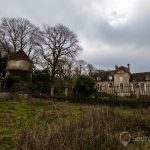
[[124, 92]]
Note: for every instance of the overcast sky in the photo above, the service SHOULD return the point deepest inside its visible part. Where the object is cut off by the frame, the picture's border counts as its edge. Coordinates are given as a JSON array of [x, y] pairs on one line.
[[111, 32]]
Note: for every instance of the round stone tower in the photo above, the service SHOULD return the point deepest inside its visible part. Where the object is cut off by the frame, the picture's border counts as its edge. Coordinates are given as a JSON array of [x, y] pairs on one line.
[[19, 65]]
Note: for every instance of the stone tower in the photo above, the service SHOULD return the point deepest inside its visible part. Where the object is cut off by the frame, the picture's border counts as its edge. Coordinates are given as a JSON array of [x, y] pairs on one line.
[[19, 64]]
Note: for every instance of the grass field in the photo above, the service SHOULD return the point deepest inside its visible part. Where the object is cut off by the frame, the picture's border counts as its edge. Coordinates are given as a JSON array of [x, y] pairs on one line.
[[76, 123], [15, 116]]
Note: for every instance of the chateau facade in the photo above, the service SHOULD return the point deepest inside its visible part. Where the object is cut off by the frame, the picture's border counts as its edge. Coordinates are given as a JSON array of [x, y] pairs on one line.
[[122, 82]]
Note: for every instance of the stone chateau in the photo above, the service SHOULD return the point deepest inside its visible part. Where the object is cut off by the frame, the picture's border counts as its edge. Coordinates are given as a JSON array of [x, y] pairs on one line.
[[122, 82]]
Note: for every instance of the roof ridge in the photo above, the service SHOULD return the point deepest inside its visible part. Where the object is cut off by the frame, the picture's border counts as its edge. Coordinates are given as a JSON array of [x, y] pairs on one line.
[[19, 55]]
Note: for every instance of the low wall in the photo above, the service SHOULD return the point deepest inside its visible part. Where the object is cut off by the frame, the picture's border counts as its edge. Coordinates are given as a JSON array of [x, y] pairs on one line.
[[8, 96], [5, 95], [22, 96]]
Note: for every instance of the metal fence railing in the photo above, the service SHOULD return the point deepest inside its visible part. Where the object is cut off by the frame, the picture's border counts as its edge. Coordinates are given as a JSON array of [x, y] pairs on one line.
[[124, 92]]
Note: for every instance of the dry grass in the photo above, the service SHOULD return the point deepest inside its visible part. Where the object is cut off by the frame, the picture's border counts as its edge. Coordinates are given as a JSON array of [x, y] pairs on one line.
[[95, 129], [43, 125]]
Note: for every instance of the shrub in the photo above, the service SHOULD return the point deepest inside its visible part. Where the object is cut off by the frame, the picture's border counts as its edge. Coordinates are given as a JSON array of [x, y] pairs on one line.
[[41, 80], [22, 87], [84, 86], [10, 80]]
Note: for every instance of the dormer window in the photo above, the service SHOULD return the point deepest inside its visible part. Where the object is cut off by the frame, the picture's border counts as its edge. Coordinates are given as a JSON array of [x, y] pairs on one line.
[[110, 78], [147, 77], [98, 78]]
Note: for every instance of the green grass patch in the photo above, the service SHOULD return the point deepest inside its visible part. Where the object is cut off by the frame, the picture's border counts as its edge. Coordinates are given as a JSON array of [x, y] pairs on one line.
[[18, 116]]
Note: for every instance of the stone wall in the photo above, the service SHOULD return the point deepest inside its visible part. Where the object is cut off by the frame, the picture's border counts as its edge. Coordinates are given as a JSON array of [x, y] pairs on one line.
[[18, 65], [5, 95], [121, 77]]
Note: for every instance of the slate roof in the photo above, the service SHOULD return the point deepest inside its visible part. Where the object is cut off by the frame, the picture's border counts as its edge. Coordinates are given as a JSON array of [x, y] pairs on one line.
[[20, 55], [104, 75], [140, 77]]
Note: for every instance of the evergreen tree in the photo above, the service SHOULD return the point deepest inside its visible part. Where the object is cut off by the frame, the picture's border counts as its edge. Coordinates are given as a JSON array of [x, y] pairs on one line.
[[3, 62]]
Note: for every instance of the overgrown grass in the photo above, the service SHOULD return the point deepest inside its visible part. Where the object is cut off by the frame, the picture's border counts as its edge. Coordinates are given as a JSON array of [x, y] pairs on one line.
[[15, 116], [44, 125]]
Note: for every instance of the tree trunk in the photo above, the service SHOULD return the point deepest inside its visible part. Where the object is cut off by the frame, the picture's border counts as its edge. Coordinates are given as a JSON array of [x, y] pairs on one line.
[[53, 76]]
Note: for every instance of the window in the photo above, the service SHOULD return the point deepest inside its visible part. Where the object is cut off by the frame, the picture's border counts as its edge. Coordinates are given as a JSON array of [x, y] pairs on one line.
[[143, 87], [98, 87], [147, 77], [98, 78], [121, 87], [121, 79], [132, 87], [110, 84], [110, 78]]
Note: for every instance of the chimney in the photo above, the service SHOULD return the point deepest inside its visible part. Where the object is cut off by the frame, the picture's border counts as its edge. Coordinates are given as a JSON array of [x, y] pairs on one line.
[[128, 65], [116, 67]]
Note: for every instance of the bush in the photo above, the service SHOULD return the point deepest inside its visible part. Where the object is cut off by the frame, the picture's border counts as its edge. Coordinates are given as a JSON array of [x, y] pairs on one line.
[[10, 80], [22, 87], [41, 80], [84, 86]]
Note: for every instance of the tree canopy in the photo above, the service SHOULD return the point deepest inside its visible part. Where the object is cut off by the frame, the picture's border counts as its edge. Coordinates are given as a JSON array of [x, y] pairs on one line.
[[57, 43], [18, 34]]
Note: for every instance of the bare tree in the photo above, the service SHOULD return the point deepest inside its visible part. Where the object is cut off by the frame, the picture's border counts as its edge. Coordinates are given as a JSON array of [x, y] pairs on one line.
[[18, 34], [58, 43], [81, 65], [91, 69], [66, 68]]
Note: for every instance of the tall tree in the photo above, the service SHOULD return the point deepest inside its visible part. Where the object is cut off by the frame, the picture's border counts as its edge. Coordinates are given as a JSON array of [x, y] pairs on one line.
[[65, 68], [18, 34], [82, 66], [91, 69], [57, 43]]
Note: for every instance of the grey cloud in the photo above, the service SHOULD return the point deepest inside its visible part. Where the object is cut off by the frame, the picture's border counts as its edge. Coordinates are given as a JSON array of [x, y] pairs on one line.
[[136, 31], [123, 42]]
